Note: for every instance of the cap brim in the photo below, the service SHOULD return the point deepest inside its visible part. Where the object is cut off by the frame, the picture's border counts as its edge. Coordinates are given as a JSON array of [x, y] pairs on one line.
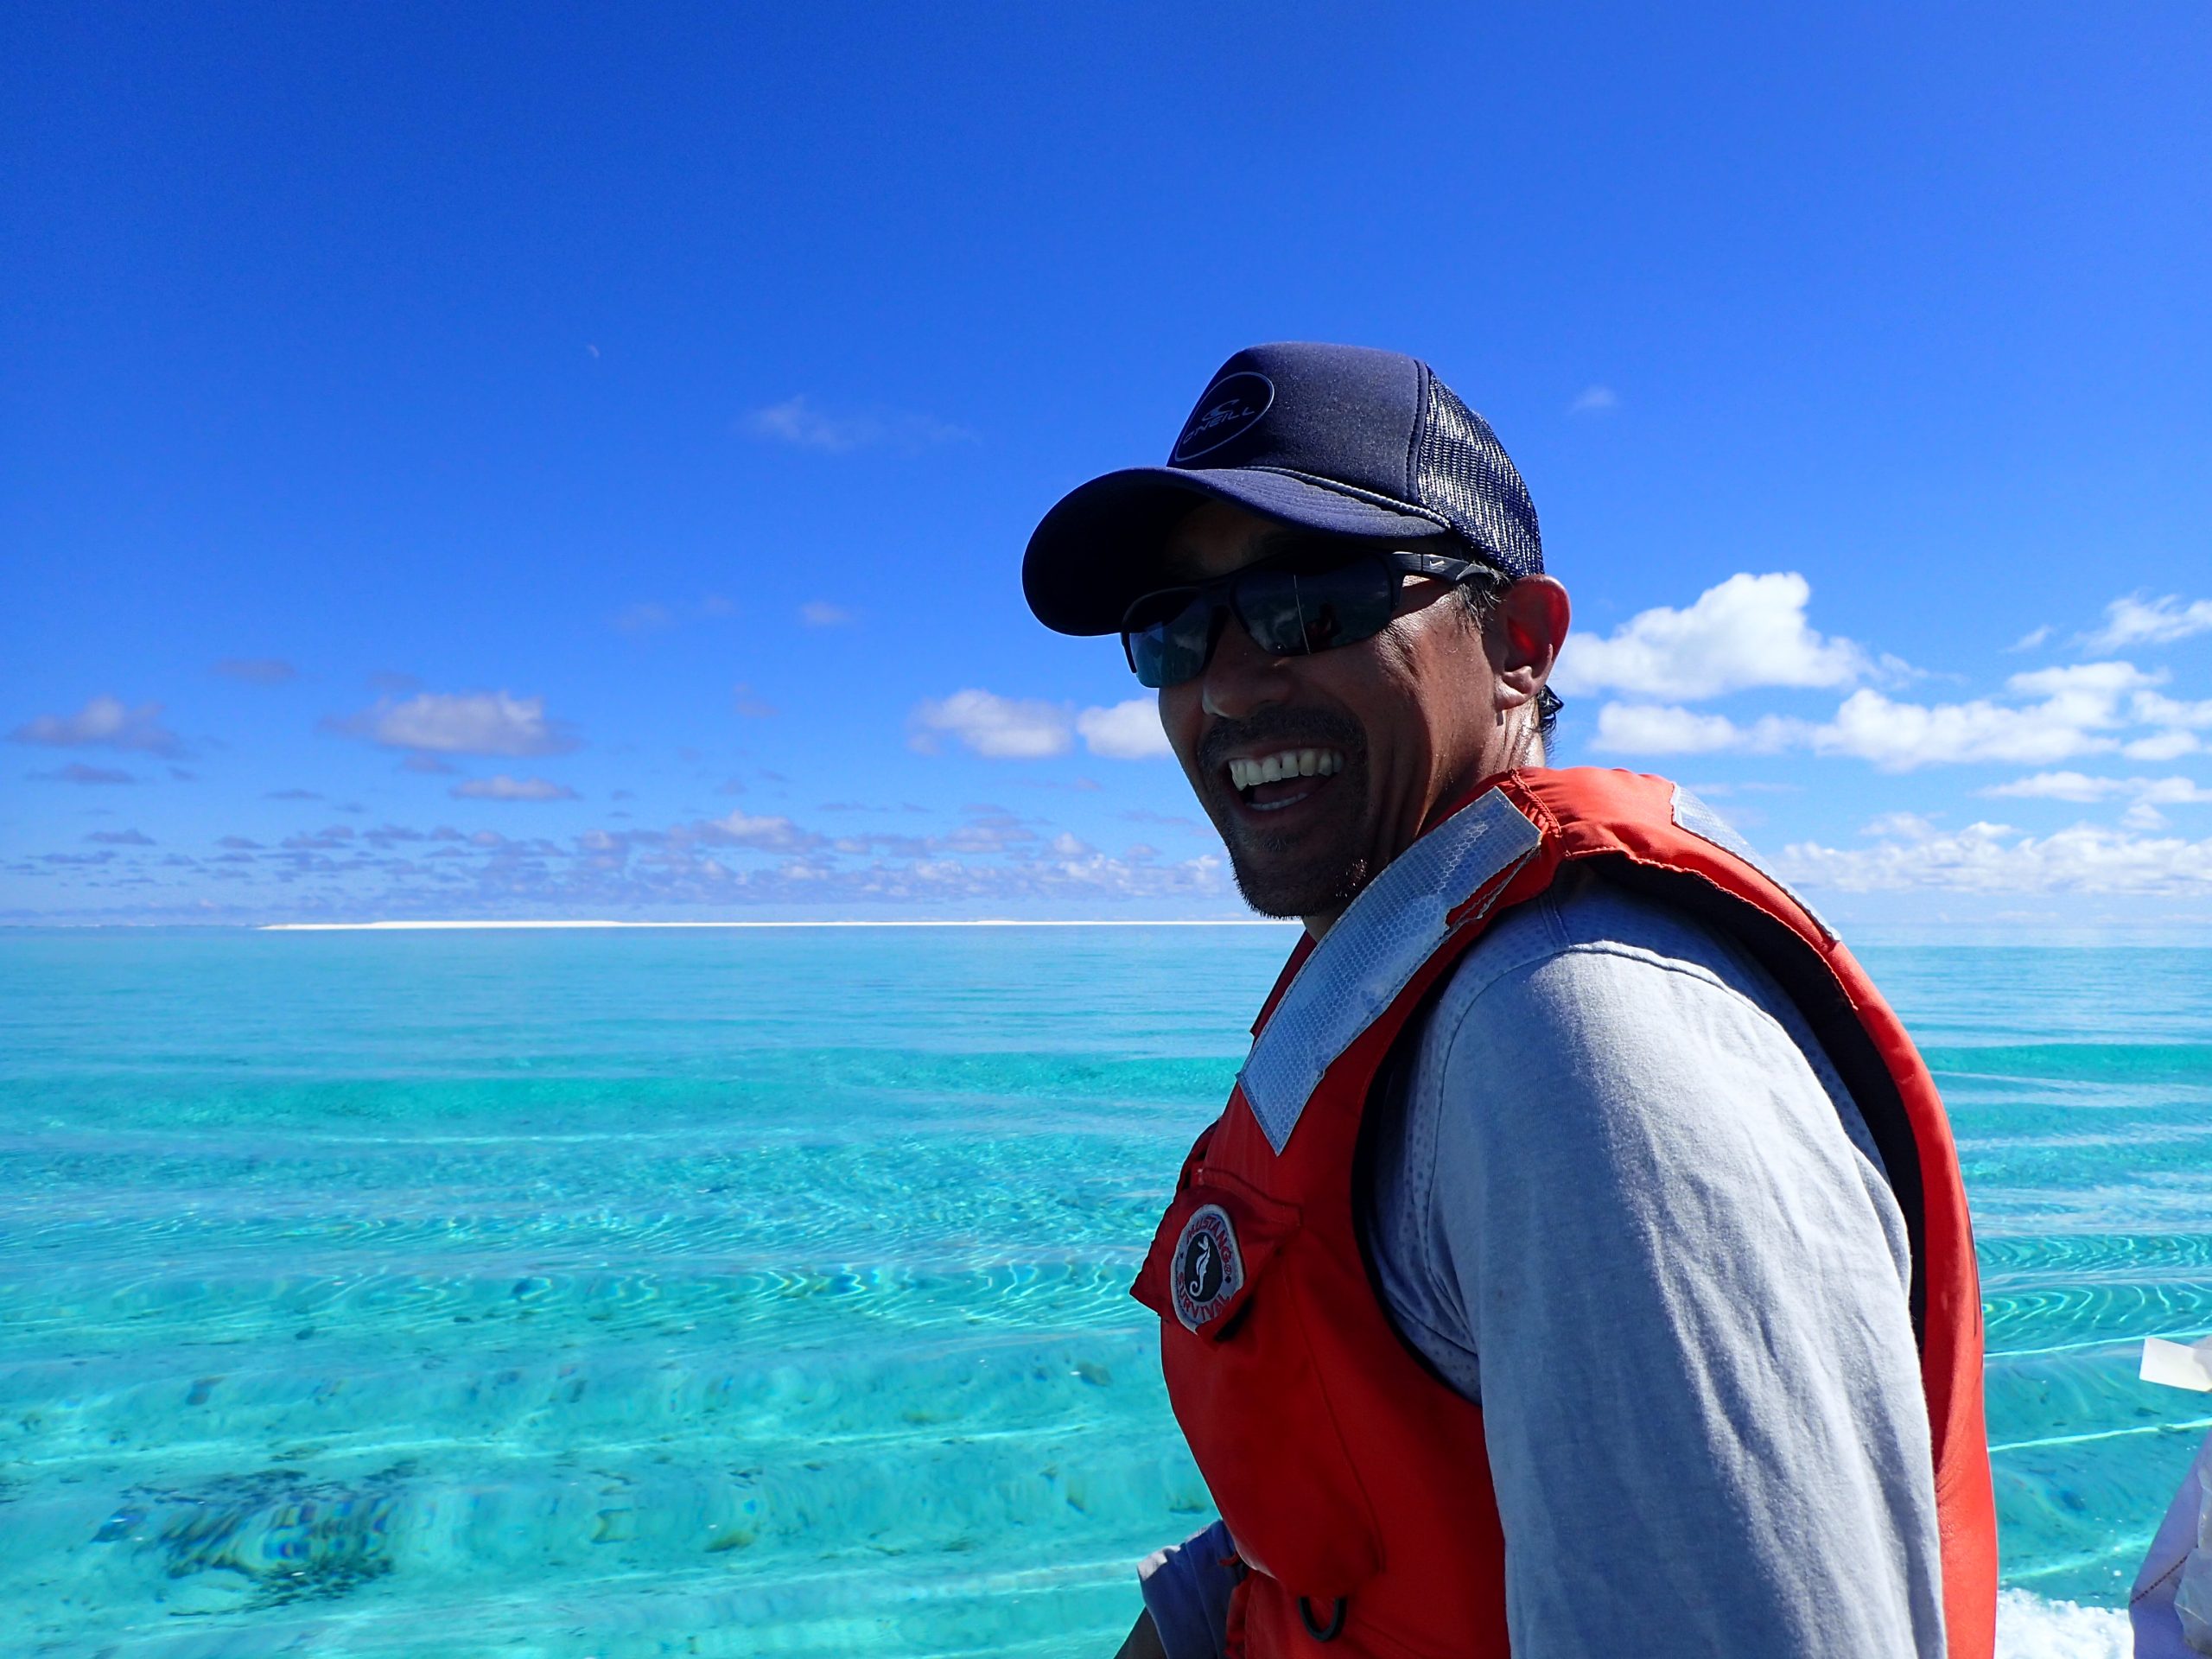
[[1100, 548]]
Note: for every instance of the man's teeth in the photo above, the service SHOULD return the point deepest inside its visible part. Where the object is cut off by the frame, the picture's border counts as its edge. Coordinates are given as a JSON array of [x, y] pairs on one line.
[[1289, 763]]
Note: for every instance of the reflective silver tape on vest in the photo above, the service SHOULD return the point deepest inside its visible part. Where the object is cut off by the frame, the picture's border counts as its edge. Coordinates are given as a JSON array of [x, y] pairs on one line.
[[1701, 821], [1378, 945]]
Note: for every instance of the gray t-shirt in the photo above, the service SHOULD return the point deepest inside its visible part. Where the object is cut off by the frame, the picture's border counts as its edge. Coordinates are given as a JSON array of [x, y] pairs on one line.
[[1622, 1198]]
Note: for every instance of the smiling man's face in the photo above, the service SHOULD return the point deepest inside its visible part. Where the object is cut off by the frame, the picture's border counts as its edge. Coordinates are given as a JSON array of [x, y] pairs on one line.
[[1318, 770]]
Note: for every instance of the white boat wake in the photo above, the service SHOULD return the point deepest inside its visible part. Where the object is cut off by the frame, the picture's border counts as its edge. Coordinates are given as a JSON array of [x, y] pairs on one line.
[[2030, 1627]]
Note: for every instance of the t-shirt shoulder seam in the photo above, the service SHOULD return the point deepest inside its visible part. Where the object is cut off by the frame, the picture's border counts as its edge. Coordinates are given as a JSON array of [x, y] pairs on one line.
[[1619, 951], [1534, 932], [1462, 1009]]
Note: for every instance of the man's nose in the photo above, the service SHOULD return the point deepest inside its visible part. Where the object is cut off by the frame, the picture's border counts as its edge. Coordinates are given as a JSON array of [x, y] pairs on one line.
[[1241, 678]]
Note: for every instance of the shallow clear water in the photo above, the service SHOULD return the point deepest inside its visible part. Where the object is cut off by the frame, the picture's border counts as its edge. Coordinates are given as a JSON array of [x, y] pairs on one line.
[[636, 1293]]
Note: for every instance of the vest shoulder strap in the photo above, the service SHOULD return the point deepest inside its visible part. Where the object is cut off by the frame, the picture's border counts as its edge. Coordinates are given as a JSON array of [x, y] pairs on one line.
[[1395, 925]]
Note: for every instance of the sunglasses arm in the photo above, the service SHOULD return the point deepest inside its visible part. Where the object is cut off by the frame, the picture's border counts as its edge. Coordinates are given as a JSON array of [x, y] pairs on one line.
[[1432, 564]]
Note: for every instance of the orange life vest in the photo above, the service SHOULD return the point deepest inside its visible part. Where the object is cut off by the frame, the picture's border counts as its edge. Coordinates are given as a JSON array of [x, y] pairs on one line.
[[1355, 1481]]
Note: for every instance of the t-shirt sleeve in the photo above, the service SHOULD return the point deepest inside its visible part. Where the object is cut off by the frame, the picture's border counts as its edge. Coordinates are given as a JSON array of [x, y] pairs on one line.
[[1186, 1590], [1700, 1384]]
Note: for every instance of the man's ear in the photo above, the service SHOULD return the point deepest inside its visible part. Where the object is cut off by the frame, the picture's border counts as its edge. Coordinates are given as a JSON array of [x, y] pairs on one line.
[[1534, 616]]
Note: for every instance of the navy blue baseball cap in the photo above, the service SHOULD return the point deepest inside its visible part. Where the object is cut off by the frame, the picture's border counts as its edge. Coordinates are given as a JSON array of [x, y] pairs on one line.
[[1335, 438]]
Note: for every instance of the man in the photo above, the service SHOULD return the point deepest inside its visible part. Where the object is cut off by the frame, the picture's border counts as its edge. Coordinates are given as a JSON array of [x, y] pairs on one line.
[[1580, 1266]]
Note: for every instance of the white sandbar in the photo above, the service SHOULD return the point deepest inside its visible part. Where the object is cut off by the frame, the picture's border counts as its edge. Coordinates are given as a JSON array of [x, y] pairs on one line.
[[994, 921]]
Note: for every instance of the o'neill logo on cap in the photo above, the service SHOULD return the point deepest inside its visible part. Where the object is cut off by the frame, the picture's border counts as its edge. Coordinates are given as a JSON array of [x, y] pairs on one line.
[[1231, 407], [1208, 1269]]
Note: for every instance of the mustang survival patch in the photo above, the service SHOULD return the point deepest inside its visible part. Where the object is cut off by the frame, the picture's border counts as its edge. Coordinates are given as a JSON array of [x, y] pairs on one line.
[[1207, 1268]]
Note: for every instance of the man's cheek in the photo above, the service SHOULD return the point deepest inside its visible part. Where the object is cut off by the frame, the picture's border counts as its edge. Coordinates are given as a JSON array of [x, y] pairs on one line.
[[1186, 756], [1179, 719]]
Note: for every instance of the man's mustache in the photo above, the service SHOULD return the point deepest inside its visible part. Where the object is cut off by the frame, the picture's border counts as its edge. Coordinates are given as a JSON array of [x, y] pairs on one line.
[[1282, 728]]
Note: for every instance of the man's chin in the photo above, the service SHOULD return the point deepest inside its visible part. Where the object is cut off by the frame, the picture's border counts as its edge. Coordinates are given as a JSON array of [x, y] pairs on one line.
[[1295, 889]]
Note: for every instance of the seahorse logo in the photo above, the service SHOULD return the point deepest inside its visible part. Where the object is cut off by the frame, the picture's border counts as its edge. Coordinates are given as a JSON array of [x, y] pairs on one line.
[[1209, 1271], [1202, 1271]]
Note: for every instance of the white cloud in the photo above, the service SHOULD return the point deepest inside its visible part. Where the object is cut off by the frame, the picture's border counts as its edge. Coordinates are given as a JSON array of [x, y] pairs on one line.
[[1751, 631], [797, 421], [995, 863], [2073, 786], [1748, 631], [820, 614], [2144, 796], [2154, 709], [2077, 706], [504, 788], [761, 833], [461, 723], [1030, 728], [2143, 813], [1595, 400], [2092, 688], [103, 722], [2075, 712], [2136, 619], [1127, 731], [1661, 728], [1995, 858], [1002, 728], [1902, 826], [2162, 746], [2031, 638], [2156, 792], [2062, 786], [1901, 736], [2182, 721]]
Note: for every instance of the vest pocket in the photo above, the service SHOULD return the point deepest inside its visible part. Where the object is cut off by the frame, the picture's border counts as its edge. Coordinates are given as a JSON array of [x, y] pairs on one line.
[[1216, 1241], [1222, 1275]]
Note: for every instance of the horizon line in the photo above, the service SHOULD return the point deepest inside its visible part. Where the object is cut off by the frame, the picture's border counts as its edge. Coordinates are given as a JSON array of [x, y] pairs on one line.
[[582, 922]]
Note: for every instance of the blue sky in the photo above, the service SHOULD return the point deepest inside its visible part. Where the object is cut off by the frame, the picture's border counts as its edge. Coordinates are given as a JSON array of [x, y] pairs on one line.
[[538, 461]]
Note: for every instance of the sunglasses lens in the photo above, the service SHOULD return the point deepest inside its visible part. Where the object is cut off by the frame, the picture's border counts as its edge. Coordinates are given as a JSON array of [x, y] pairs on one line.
[[1290, 610], [1168, 636], [1295, 612]]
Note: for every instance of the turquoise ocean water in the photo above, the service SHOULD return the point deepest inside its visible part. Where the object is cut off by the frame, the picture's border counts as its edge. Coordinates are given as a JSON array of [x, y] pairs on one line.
[[641, 1292]]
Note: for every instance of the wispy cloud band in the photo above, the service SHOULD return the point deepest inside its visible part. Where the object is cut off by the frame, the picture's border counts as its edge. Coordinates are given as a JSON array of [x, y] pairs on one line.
[[1029, 728], [798, 420]]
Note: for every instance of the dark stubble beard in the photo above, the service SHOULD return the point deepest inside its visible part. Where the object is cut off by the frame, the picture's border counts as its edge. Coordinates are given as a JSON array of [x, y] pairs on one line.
[[1320, 868]]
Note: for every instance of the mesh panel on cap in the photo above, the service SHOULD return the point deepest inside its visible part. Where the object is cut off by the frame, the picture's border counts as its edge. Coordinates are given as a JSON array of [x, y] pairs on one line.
[[1462, 471]]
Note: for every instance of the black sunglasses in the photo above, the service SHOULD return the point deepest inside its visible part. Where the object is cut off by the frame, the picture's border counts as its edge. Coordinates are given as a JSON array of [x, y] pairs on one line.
[[1291, 607]]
